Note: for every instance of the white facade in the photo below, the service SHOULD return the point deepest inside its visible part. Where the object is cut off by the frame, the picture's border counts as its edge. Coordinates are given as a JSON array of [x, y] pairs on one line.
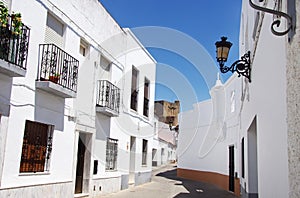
[[207, 132], [264, 113], [164, 149], [105, 51]]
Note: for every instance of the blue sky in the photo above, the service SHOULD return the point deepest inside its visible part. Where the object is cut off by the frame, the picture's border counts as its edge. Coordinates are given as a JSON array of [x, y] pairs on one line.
[[199, 23]]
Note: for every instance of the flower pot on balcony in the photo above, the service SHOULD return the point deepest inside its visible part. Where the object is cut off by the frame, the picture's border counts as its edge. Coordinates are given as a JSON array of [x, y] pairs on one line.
[[54, 79]]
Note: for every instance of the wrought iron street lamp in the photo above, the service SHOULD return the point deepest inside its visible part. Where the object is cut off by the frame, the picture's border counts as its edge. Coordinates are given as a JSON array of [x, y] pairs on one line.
[[241, 67]]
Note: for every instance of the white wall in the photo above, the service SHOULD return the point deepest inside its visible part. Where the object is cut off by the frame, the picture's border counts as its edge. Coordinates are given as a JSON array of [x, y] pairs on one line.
[[106, 40], [266, 99], [128, 123], [31, 104], [206, 132]]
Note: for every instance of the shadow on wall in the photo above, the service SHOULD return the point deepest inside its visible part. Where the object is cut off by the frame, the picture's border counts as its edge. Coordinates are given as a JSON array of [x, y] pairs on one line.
[[102, 127], [49, 109], [5, 94], [195, 188]]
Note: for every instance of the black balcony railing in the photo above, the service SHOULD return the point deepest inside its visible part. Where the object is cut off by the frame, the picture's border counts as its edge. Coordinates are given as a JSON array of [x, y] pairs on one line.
[[108, 95], [134, 100], [146, 107], [57, 66], [14, 42]]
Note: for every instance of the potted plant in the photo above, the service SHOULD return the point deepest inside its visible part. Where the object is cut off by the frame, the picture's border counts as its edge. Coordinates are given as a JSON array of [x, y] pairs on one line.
[[54, 77]]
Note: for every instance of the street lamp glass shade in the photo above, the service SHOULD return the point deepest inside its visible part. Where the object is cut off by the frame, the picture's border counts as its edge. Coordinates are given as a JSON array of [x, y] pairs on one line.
[[223, 48]]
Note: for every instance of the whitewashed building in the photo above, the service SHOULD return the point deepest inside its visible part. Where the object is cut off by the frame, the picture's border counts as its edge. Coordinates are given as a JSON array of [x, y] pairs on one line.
[[73, 122], [257, 147], [269, 124], [164, 145], [208, 136]]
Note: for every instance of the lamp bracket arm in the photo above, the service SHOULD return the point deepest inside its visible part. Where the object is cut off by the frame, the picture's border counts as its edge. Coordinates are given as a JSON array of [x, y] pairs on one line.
[[241, 66], [277, 22], [225, 69]]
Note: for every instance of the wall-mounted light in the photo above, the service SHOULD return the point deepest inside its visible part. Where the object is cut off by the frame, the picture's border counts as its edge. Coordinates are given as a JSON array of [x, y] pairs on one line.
[[241, 67], [277, 21]]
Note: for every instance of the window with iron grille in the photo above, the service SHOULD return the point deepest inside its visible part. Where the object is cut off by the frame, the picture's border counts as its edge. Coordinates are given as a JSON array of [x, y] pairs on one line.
[[37, 147], [111, 154], [146, 97], [134, 89], [144, 153]]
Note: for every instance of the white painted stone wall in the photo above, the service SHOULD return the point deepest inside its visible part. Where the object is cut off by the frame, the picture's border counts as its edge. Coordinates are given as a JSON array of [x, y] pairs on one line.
[[208, 130], [28, 103], [265, 99], [132, 123]]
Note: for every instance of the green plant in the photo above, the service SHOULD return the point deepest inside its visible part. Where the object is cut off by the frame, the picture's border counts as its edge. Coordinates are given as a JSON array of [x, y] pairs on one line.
[[16, 23], [57, 75], [3, 15]]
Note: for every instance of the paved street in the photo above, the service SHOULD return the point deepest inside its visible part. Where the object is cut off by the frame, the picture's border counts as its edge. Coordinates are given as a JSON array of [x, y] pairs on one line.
[[165, 184]]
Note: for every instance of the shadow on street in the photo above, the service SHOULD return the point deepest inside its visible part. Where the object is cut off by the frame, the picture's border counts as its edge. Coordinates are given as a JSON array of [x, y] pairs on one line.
[[196, 188]]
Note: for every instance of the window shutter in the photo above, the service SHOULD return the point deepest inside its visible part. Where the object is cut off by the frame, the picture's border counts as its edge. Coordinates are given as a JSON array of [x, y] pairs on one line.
[[54, 31]]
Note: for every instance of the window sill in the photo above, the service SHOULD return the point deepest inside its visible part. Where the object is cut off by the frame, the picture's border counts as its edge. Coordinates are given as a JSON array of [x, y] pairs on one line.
[[134, 111], [109, 174], [109, 171], [31, 174], [139, 116], [146, 117]]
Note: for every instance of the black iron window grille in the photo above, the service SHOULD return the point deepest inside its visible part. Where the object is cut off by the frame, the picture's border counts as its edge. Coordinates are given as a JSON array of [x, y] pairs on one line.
[[57, 66], [144, 153], [111, 154], [37, 147], [108, 95], [146, 97], [14, 42]]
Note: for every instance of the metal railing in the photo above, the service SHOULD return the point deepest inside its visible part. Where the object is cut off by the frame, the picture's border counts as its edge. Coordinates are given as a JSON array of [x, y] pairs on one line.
[[57, 66], [14, 42], [108, 95]]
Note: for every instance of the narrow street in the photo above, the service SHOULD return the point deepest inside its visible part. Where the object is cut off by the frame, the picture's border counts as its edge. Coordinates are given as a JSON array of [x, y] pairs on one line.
[[165, 184]]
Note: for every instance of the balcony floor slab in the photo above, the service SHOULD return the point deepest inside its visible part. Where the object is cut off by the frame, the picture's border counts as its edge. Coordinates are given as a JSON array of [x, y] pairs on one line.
[[11, 70], [55, 89]]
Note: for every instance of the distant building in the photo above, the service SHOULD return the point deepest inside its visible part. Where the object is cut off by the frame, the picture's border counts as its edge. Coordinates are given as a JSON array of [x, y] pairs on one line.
[[167, 112], [164, 144], [166, 132]]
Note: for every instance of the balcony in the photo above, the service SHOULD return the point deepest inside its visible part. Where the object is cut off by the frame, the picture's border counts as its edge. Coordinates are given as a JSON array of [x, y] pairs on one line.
[[14, 40], [108, 98], [57, 71]]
